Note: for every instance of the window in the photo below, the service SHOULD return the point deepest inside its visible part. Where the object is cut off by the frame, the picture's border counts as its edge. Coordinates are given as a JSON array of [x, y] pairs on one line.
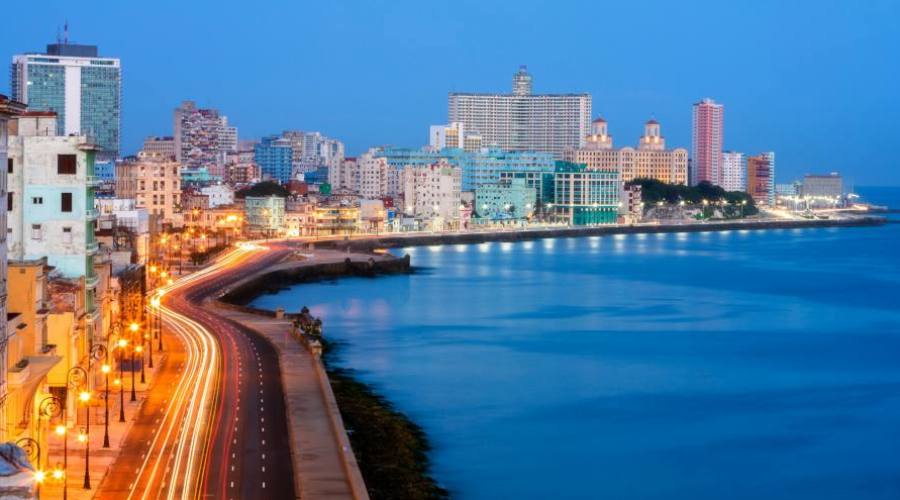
[[37, 200], [36, 231], [9, 201], [67, 235], [66, 164], [9, 165], [66, 202]]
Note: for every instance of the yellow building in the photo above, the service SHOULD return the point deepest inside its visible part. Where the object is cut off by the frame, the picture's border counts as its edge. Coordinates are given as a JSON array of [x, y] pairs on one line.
[[650, 160], [31, 354]]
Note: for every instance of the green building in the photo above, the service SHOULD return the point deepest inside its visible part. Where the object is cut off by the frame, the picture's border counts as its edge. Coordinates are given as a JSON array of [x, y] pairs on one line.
[[579, 196]]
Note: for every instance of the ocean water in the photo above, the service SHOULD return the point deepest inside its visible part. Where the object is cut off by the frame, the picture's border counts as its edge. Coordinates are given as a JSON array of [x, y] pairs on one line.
[[736, 364]]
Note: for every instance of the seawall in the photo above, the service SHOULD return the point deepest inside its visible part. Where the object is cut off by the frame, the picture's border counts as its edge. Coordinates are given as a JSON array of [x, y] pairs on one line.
[[301, 271], [370, 243]]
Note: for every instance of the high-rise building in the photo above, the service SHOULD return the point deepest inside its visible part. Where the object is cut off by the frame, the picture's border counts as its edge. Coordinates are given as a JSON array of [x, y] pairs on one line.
[[825, 186], [651, 159], [311, 150], [8, 109], [198, 136], [761, 178], [707, 141], [274, 155], [734, 172], [82, 88], [522, 121]]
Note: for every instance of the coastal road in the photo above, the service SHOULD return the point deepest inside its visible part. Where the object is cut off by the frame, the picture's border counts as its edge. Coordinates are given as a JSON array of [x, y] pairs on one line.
[[217, 428]]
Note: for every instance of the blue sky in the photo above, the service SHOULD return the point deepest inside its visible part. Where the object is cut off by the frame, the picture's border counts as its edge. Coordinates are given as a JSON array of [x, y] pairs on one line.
[[817, 82]]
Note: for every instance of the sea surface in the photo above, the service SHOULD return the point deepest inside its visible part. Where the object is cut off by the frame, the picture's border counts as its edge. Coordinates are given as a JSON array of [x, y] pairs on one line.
[[735, 364]]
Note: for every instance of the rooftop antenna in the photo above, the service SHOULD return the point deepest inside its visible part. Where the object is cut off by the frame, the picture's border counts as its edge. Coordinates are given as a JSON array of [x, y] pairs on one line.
[[66, 33]]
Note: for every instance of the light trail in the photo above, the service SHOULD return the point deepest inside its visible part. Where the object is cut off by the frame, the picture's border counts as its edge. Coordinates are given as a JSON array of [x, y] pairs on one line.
[[176, 456]]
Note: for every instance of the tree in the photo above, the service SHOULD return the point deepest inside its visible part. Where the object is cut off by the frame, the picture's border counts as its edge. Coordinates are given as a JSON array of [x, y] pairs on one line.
[[265, 188]]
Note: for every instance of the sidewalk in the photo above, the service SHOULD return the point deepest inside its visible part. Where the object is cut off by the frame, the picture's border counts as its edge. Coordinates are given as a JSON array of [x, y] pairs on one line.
[[101, 459]]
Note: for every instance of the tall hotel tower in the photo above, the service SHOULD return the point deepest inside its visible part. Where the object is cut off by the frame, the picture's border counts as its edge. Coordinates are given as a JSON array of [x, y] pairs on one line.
[[706, 156], [83, 89], [522, 121]]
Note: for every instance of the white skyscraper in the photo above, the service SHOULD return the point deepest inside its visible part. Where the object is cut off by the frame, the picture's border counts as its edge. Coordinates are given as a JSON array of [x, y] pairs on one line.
[[83, 89], [522, 121], [734, 172]]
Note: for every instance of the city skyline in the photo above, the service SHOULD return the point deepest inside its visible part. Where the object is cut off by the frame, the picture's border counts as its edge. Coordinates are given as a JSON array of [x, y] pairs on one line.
[[773, 86]]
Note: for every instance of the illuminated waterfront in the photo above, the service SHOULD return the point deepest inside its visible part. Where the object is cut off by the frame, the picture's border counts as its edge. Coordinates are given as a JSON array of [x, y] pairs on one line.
[[733, 364]]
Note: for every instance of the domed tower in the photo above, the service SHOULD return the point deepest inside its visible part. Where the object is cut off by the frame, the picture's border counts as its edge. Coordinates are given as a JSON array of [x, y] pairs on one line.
[[599, 138], [652, 138]]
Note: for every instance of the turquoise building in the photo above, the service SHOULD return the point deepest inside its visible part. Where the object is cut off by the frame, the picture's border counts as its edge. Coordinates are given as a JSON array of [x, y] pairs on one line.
[[485, 166], [581, 197], [510, 199]]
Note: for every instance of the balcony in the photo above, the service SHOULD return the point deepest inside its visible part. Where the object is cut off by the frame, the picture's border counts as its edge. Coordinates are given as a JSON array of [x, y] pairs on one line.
[[92, 214], [93, 180]]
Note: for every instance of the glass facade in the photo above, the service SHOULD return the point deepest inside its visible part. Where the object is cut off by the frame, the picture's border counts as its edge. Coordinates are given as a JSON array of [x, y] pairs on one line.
[[583, 197], [47, 91], [274, 157], [100, 106]]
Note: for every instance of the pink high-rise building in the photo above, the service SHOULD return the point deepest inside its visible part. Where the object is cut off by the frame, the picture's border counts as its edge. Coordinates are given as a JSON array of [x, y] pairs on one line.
[[706, 161]]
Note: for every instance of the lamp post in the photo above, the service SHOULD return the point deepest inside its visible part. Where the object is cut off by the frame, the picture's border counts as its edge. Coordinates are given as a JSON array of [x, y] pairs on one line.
[[76, 377], [33, 451], [133, 328], [105, 369], [85, 397], [50, 407], [119, 381]]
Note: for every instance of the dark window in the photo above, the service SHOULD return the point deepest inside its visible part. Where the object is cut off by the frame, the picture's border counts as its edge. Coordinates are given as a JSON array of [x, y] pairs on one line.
[[66, 200], [9, 165], [65, 164], [9, 201]]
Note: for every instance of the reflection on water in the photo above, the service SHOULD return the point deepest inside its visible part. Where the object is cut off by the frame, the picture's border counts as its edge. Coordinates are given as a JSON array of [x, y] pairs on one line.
[[707, 366]]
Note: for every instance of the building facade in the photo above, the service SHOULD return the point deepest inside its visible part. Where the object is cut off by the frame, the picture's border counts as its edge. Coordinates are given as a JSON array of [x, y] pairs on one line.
[[433, 191], [523, 121], [825, 186], [274, 155], [82, 88], [154, 182], [761, 178], [707, 136], [160, 146], [507, 199], [650, 160], [264, 214], [51, 196], [312, 150], [734, 172], [453, 135], [582, 197], [197, 136], [8, 110]]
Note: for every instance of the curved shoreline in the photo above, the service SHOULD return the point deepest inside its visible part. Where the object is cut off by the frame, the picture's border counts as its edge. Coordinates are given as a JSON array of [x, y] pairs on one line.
[[342, 264]]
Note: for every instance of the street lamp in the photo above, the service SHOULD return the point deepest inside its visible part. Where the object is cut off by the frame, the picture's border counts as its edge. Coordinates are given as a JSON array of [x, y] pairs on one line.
[[133, 328], [105, 369], [33, 451], [52, 407], [122, 344], [76, 377]]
